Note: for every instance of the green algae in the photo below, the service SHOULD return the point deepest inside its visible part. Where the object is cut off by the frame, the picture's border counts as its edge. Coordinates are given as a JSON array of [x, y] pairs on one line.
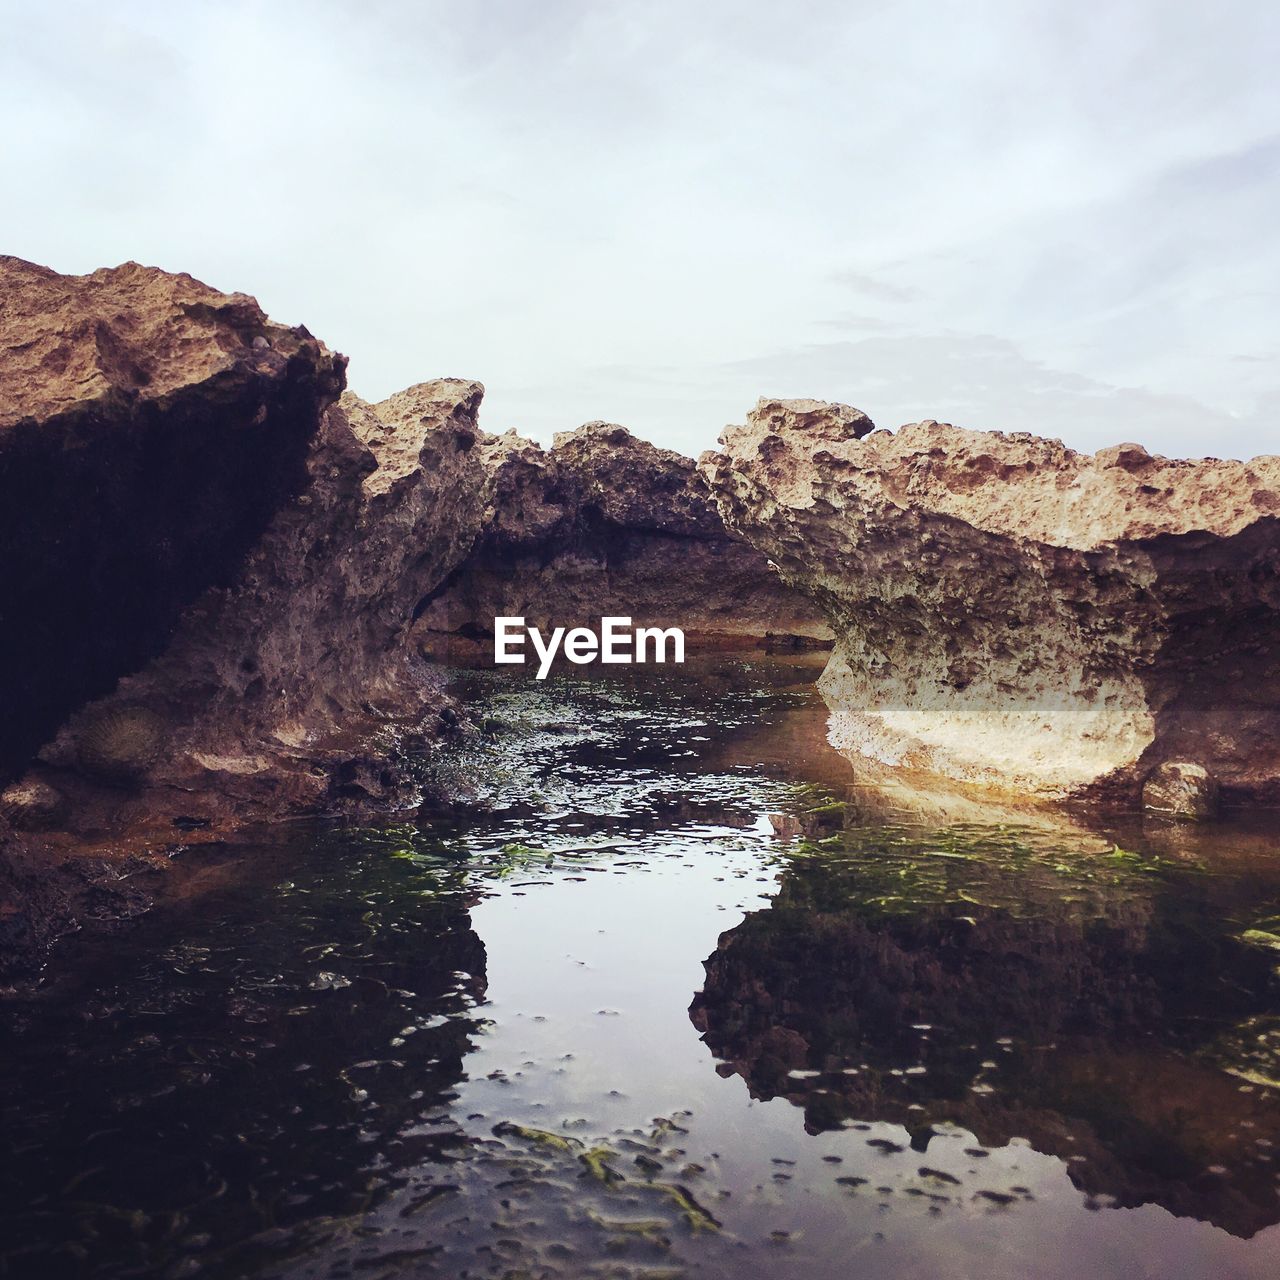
[[596, 1162], [542, 1137]]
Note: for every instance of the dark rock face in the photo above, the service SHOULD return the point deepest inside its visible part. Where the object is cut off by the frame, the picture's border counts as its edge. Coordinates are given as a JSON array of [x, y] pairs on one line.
[[288, 691], [604, 523], [149, 429], [213, 568], [1012, 614], [272, 690]]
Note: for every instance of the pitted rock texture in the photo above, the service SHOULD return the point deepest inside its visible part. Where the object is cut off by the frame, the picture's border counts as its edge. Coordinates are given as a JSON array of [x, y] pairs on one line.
[[150, 427], [292, 690], [272, 689], [1011, 613], [604, 523]]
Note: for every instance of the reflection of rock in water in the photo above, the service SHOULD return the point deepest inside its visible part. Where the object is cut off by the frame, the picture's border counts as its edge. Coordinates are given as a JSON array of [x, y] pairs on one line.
[[236, 1088], [1078, 1006]]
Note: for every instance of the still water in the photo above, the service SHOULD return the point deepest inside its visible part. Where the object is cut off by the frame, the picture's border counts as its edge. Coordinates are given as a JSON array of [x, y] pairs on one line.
[[667, 1000]]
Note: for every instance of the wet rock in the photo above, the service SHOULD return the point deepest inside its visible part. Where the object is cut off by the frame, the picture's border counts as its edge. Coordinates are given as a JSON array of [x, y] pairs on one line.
[[213, 568], [1068, 1011], [1182, 790], [604, 523], [1011, 613]]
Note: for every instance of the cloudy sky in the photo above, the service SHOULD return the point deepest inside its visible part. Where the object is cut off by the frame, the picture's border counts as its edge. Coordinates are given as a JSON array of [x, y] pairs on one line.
[[1047, 216]]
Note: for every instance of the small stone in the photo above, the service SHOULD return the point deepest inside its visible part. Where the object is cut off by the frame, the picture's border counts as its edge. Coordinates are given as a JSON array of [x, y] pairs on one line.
[[1181, 789]]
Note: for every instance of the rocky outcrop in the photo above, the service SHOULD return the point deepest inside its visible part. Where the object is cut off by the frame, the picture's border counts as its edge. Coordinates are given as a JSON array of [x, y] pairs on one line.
[[150, 427], [604, 523], [214, 564], [1011, 613], [272, 689], [291, 690]]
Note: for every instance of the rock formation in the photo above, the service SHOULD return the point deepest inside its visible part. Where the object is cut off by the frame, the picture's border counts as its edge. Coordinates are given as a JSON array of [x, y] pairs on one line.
[[604, 523], [214, 566], [272, 690], [149, 429], [1011, 613]]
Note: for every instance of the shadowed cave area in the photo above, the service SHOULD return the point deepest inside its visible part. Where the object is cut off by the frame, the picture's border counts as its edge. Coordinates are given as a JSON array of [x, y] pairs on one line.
[[113, 528]]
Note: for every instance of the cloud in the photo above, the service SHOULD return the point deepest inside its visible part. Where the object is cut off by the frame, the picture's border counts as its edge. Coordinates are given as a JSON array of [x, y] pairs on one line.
[[1009, 214], [882, 290], [981, 382]]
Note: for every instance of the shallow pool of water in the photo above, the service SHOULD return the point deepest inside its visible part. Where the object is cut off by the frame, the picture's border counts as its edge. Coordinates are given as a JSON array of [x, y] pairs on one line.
[[665, 1002]]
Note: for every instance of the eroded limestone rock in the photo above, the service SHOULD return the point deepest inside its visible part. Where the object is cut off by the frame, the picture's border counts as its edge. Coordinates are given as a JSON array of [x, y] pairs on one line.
[[274, 691], [1011, 613], [604, 523], [212, 570], [150, 427]]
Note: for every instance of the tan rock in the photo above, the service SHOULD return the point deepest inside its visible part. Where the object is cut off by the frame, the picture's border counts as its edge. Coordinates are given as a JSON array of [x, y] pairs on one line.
[[150, 427], [604, 523], [1009, 612], [271, 685]]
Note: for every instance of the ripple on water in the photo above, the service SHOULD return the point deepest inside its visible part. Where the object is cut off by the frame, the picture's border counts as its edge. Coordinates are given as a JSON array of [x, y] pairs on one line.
[[465, 1045]]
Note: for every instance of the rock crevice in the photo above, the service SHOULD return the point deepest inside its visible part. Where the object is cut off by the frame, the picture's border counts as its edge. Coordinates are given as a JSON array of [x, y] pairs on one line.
[[604, 523]]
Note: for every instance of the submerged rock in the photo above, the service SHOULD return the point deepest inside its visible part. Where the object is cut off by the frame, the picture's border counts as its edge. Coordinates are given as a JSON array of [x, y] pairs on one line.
[[1026, 995], [604, 523], [1009, 612]]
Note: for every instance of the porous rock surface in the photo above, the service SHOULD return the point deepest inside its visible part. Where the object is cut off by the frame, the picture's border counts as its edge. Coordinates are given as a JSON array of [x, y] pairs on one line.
[[271, 689], [603, 524], [150, 427], [1011, 613], [214, 564], [292, 690]]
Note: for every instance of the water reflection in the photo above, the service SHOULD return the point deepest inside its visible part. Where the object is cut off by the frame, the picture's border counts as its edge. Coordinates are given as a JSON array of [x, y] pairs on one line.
[[1093, 1003], [935, 1046], [262, 1072]]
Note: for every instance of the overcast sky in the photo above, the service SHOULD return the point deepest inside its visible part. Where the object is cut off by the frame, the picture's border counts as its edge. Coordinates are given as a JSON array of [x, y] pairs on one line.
[[1052, 216]]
